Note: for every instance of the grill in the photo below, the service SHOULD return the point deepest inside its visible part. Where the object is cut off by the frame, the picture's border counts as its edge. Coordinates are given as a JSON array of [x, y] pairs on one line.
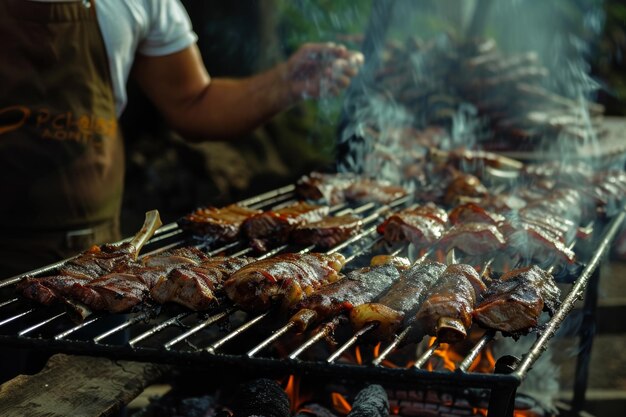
[[230, 339]]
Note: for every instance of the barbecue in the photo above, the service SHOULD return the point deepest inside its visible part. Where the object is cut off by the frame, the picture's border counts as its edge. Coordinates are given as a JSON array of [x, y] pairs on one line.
[[221, 224], [328, 232], [422, 225]]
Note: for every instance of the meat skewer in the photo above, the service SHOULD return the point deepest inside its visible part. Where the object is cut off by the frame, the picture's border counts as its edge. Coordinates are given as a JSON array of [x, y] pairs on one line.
[[357, 287], [327, 232], [397, 307], [473, 239], [447, 311]]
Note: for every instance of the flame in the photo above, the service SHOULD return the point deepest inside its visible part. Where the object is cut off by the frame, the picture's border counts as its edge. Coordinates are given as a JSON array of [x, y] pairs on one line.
[[340, 404], [357, 355], [293, 391], [525, 413], [377, 350], [479, 411], [394, 410]]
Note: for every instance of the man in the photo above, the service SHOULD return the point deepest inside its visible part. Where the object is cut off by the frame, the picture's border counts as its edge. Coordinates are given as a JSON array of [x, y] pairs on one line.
[[63, 71]]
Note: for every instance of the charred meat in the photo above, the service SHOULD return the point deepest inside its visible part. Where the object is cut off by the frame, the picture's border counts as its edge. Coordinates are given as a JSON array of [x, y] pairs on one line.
[[473, 213], [422, 226], [473, 239], [366, 190], [513, 303], [220, 224], [447, 311], [356, 288], [285, 279], [327, 232], [329, 188], [275, 226], [195, 287], [397, 307]]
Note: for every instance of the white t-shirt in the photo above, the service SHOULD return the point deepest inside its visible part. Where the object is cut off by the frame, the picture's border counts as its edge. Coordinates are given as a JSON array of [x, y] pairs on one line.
[[148, 27]]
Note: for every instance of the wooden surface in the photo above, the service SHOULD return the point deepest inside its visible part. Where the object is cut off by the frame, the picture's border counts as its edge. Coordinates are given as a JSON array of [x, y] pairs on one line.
[[77, 386]]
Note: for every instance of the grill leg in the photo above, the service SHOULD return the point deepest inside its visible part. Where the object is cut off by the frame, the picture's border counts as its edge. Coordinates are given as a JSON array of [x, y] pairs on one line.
[[587, 333], [502, 402]]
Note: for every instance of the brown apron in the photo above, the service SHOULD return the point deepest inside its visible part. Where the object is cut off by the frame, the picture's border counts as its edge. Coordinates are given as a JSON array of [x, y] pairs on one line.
[[61, 154]]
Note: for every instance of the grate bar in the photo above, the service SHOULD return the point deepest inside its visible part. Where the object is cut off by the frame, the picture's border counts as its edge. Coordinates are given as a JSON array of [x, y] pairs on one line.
[[396, 341], [157, 328], [17, 316], [473, 354], [69, 331], [6, 303], [239, 330], [332, 358], [275, 335], [199, 327], [267, 195], [426, 355], [320, 334], [38, 325]]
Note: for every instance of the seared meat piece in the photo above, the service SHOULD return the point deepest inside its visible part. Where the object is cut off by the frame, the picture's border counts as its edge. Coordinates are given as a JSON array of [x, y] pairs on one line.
[[356, 288], [513, 303], [47, 290], [422, 226], [447, 311], [220, 224], [476, 160], [534, 243], [275, 226], [397, 307], [562, 228], [327, 232], [285, 279], [89, 265], [464, 185], [115, 292], [473, 213], [366, 190], [195, 286], [473, 238], [327, 187]]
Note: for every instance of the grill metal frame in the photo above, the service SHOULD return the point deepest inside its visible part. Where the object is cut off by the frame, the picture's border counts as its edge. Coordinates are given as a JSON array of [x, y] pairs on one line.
[[502, 384]]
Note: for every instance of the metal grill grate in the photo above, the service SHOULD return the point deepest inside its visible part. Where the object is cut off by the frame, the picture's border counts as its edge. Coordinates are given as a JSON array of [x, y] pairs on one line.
[[229, 338]]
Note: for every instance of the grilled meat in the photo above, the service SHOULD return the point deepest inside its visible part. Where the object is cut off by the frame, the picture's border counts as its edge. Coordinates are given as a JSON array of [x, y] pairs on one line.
[[195, 286], [366, 190], [397, 307], [115, 292], [89, 265], [220, 224], [275, 226], [327, 232], [356, 288], [447, 311], [535, 243], [422, 226], [464, 185], [513, 303], [473, 239], [285, 279], [473, 213], [327, 187]]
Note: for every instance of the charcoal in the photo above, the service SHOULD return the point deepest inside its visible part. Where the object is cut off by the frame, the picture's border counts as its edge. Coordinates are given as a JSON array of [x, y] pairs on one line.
[[371, 401], [261, 397]]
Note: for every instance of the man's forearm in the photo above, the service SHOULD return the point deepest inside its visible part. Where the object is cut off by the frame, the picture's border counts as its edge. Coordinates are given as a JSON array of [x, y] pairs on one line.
[[231, 107]]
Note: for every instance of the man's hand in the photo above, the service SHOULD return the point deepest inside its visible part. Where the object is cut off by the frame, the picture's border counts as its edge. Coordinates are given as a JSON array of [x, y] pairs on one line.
[[319, 70]]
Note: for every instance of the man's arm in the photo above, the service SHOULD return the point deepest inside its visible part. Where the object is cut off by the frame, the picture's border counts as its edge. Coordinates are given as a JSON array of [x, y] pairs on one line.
[[202, 108]]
